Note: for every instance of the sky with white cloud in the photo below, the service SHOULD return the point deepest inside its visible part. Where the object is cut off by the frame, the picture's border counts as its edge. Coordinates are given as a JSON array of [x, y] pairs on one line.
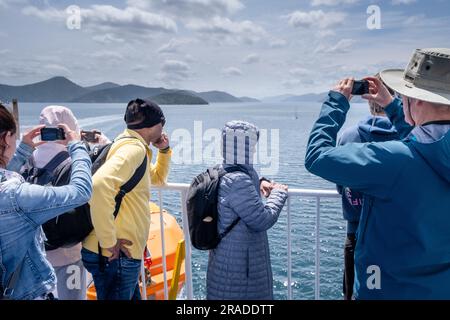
[[246, 47]]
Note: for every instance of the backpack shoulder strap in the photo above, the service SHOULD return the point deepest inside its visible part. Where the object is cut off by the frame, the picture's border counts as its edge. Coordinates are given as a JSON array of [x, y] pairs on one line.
[[229, 228], [231, 169], [124, 189], [130, 184], [222, 173], [62, 173], [102, 151], [125, 137], [34, 174], [56, 161]]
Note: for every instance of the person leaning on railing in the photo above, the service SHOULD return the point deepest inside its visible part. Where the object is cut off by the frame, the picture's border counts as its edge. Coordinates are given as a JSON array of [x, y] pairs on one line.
[[403, 241], [239, 268], [24, 271]]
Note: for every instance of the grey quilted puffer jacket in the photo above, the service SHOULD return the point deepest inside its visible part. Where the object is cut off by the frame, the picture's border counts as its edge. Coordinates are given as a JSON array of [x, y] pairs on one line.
[[239, 268]]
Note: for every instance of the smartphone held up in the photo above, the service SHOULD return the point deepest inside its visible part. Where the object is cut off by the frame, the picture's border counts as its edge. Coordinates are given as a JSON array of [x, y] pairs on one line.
[[52, 134], [90, 136]]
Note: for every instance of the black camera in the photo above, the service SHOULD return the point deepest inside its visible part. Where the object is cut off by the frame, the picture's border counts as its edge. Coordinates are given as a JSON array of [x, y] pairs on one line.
[[52, 134], [360, 88]]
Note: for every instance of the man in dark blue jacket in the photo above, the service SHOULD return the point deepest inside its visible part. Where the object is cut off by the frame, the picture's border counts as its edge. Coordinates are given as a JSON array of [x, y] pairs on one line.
[[403, 247], [375, 128]]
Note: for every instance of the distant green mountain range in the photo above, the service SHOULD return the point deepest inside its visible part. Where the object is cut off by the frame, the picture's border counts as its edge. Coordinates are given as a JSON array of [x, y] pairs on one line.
[[218, 96], [177, 98], [61, 89]]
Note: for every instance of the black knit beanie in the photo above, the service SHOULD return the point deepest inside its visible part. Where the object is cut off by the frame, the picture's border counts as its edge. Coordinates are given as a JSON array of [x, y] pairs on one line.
[[148, 112]]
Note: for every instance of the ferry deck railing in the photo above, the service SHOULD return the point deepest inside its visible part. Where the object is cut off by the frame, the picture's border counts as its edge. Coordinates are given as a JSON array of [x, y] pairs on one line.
[[293, 193]]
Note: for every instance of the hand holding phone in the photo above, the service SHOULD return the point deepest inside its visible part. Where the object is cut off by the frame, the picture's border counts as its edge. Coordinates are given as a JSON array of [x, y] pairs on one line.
[[344, 87], [29, 137], [90, 136], [378, 92], [71, 135]]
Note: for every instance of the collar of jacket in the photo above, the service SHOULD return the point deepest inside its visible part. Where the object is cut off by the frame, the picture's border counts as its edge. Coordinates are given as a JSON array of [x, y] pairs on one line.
[[132, 133]]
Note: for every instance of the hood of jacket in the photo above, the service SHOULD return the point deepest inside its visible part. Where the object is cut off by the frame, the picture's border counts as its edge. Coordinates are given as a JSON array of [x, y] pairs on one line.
[[377, 129], [52, 116], [239, 140], [433, 144]]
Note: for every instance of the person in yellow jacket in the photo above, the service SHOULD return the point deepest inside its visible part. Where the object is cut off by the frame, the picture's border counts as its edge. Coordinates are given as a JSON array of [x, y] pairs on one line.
[[123, 239]]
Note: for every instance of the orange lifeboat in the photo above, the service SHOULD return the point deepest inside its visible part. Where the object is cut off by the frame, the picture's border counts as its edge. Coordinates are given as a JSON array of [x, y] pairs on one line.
[[154, 274]]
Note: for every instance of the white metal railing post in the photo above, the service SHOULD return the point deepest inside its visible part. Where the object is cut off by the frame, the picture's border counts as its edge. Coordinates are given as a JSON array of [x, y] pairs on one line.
[[187, 239], [317, 282], [163, 244], [289, 250]]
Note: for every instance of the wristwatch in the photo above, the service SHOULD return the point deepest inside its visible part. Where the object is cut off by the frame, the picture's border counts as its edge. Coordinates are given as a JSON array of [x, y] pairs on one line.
[[165, 150]]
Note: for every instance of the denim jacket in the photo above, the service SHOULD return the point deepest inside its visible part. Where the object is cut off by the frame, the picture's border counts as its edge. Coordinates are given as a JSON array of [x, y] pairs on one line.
[[23, 209]]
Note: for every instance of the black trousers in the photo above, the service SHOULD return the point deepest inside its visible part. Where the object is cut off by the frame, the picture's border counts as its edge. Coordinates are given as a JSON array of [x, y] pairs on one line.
[[349, 266]]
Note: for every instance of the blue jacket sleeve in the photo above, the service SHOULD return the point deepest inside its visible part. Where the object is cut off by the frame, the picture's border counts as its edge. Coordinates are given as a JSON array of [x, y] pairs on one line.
[[23, 153], [366, 167], [42, 203], [394, 111], [247, 204], [348, 136]]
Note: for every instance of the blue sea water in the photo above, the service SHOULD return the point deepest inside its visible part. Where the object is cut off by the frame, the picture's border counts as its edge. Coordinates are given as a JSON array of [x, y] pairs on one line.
[[294, 122]]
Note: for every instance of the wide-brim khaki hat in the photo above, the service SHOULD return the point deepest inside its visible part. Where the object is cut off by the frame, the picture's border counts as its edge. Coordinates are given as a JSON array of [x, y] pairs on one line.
[[426, 78]]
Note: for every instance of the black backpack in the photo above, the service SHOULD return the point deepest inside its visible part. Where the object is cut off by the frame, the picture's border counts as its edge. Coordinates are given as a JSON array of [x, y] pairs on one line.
[[202, 208], [72, 227]]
